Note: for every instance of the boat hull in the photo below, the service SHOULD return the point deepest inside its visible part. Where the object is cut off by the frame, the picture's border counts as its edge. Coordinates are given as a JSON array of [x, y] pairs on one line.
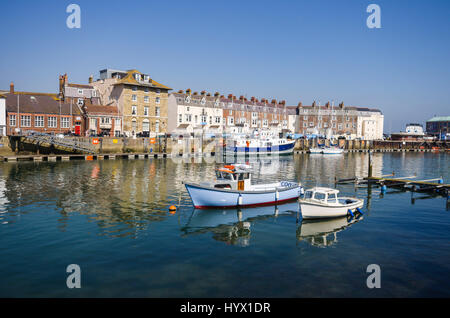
[[277, 149], [317, 211], [207, 197]]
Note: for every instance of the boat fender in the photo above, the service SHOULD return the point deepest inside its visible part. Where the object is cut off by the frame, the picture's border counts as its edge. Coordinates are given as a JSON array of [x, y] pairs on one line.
[[359, 210], [277, 195], [240, 199], [441, 181], [350, 212], [383, 188]]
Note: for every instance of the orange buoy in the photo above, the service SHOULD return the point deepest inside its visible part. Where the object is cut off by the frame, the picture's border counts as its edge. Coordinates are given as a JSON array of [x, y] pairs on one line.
[[172, 208]]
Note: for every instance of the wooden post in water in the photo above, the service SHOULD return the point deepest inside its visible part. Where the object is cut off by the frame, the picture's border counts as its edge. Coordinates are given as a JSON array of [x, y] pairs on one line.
[[370, 164]]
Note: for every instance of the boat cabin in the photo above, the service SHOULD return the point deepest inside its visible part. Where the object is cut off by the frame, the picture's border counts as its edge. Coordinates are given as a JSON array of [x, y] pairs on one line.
[[323, 195], [233, 178]]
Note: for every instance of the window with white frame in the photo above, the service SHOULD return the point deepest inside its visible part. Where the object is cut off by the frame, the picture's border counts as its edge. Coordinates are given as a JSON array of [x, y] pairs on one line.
[[230, 120], [65, 122], [52, 122], [146, 99], [12, 120], [305, 124], [134, 98], [158, 100], [180, 118], [93, 123], [25, 121], [80, 91], [134, 110], [106, 120], [157, 112], [117, 123], [145, 110]]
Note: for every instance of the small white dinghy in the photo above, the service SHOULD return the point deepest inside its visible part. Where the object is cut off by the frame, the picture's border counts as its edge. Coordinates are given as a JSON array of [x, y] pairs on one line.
[[233, 188], [324, 203]]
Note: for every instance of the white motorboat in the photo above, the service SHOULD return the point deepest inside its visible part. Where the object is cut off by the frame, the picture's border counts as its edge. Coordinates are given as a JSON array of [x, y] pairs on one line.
[[326, 150], [233, 188], [324, 203], [332, 150], [316, 150]]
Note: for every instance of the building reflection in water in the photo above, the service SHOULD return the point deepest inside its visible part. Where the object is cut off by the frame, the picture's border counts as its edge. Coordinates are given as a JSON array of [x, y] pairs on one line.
[[232, 226], [123, 197]]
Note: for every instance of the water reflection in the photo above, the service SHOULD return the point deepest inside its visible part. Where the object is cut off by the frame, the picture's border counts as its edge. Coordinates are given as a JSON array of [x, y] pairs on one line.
[[232, 226], [323, 233], [124, 197]]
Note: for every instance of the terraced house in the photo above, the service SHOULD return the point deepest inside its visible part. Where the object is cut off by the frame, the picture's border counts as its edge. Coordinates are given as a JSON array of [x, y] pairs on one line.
[[142, 102], [193, 112]]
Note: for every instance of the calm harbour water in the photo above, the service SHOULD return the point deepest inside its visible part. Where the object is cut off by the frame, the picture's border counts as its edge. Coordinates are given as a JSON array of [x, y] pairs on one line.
[[112, 219]]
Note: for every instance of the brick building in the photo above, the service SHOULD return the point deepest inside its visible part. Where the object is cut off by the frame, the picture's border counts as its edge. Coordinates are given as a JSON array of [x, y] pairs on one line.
[[41, 112]]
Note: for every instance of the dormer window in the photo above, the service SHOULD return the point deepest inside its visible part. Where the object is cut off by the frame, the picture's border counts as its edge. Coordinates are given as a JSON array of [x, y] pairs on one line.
[[80, 91], [80, 102], [137, 77], [146, 78]]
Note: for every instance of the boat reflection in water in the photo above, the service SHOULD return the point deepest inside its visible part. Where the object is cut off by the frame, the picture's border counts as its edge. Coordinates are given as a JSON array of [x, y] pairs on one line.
[[233, 226], [323, 232]]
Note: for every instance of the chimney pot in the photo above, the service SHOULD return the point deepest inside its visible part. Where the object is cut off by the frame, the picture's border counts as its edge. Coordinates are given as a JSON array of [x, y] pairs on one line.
[[11, 88]]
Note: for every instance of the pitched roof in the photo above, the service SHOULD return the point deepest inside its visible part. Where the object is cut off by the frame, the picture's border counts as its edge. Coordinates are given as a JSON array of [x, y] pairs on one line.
[[38, 103], [80, 85], [101, 110], [439, 118], [129, 79]]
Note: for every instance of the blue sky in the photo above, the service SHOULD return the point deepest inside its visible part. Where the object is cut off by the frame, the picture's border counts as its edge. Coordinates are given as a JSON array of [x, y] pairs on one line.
[[292, 50]]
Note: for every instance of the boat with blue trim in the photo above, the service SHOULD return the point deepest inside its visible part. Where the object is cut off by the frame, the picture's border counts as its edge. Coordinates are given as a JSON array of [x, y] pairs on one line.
[[260, 146]]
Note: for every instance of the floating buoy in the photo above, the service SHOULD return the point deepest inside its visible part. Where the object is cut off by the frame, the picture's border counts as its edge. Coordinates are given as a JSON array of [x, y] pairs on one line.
[[172, 208], [359, 210], [350, 212]]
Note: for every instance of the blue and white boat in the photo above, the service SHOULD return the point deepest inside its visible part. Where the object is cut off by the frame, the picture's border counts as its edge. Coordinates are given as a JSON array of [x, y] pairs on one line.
[[233, 188], [260, 146]]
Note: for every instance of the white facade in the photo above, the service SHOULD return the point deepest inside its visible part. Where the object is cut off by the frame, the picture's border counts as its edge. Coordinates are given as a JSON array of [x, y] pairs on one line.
[[188, 116], [370, 127], [2, 116]]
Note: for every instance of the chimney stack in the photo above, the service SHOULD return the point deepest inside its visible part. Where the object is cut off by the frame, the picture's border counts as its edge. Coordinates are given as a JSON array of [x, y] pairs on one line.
[[203, 93], [241, 97], [327, 105], [230, 96], [314, 104], [11, 88], [180, 91], [341, 105], [216, 94], [274, 101], [91, 79], [188, 91]]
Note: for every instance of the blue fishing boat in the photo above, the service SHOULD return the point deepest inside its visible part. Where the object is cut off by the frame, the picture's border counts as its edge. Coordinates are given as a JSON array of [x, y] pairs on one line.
[[261, 146], [233, 188]]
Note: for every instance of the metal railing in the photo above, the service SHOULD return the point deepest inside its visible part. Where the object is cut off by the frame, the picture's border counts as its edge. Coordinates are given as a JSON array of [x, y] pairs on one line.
[[67, 144]]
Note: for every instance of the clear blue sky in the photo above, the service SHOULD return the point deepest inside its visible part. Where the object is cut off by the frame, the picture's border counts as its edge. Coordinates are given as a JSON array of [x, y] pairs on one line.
[[292, 50]]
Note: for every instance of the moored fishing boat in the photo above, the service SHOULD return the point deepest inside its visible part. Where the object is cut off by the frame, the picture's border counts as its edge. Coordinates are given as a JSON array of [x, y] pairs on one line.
[[324, 203], [260, 146], [233, 188]]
